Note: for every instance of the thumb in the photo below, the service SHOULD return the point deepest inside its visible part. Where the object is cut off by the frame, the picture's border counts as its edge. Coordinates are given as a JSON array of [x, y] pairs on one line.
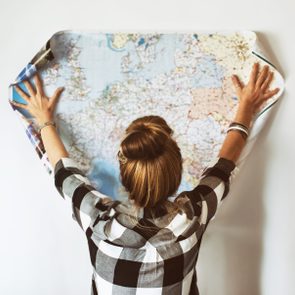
[[56, 96]]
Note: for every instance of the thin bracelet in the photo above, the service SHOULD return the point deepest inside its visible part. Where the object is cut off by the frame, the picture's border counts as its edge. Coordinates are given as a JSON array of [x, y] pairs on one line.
[[243, 132], [47, 124], [246, 131], [240, 124]]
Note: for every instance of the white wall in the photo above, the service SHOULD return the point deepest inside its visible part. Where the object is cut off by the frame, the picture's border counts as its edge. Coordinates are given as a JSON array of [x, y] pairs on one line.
[[249, 246]]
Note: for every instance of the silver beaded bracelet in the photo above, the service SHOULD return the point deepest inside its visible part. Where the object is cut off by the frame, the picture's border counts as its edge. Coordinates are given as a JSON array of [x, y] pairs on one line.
[[46, 124]]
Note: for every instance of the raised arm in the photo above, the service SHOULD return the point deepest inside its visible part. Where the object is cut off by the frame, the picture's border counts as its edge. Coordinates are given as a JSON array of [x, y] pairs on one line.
[[251, 97], [214, 182], [89, 205], [42, 108]]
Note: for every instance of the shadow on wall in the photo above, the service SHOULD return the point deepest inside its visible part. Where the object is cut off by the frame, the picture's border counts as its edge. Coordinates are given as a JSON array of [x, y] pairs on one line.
[[231, 251], [230, 260]]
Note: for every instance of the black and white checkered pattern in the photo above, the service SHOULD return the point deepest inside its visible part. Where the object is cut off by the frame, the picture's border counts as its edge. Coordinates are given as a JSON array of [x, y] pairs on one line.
[[128, 259]]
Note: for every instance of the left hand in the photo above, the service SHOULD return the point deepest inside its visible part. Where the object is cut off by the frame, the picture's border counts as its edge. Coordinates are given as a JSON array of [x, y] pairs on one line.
[[38, 104]]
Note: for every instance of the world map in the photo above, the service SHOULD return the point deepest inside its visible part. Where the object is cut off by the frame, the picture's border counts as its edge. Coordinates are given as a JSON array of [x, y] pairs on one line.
[[110, 79]]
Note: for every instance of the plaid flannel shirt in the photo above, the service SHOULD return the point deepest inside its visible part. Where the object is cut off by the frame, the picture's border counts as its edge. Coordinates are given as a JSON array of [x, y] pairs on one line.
[[128, 259]]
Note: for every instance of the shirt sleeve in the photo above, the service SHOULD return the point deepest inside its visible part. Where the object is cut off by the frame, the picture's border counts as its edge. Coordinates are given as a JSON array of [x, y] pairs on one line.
[[89, 206], [212, 188]]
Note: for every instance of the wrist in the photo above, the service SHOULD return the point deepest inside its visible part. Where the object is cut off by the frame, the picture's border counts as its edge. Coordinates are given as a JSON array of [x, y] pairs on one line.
[[44, 119], [245, 107], [42, 123], [46, 124], [244, 114]]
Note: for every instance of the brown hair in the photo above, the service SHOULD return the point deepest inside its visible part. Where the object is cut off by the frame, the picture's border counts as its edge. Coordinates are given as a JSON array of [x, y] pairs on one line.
[[153, 167]]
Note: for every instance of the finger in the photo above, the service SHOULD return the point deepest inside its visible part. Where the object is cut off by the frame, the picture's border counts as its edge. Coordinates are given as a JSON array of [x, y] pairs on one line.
[[38, 83], [55, 96], [262, 76], [237, 83], [21, 105], [30, 88], [270, 93], [266, 83], [254, 72], [22, 93]]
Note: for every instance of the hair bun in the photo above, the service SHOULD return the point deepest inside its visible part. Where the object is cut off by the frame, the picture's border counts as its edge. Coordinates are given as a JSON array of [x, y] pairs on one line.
[[145, 140]]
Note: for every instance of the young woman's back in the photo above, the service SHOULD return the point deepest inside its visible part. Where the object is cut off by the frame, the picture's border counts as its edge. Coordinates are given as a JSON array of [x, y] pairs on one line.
[[148, 244]]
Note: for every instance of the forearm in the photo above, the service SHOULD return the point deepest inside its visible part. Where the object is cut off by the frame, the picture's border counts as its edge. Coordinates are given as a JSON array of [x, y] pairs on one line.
[[234, 141], [53, 144]]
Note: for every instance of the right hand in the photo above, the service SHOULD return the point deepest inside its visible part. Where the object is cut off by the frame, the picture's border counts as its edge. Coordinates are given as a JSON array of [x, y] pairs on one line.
[[38, 104], [256, 91]]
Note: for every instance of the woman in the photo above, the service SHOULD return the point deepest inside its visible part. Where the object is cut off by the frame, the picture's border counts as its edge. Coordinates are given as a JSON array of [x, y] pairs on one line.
[[147, 244]]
